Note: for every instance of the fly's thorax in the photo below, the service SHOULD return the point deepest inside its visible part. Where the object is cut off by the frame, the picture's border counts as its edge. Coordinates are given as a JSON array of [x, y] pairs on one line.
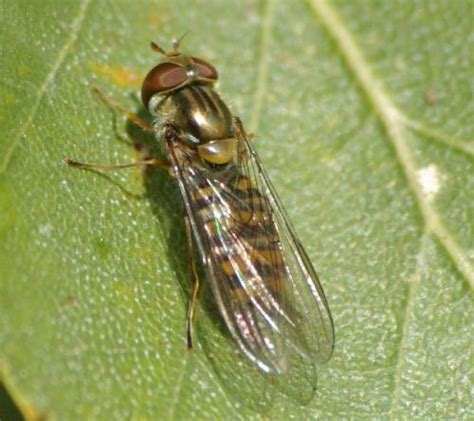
[[197, 110], [202, 120]]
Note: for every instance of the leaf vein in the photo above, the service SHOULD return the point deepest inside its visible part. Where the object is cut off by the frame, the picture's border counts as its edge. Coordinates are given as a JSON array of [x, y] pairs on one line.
[[440, 137], [408, 314], [76, 26], [393, 122], [177, 392], [262, 72]]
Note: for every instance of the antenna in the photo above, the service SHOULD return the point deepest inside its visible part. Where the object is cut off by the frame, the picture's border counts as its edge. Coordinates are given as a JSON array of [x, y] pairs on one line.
[[155, 47], [177, 41], [174, 52]]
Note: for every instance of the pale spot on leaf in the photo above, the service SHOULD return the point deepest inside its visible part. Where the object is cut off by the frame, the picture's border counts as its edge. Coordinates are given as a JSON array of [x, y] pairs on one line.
[[429, 179]]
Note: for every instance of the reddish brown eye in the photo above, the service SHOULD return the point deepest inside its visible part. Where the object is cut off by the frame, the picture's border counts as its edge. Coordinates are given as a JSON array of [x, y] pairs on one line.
[[205, 70], [162, 78]]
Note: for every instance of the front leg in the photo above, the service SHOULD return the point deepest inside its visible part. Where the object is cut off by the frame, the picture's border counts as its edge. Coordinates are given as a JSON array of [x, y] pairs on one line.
[[195, 283], [114, 106], [154, 162]]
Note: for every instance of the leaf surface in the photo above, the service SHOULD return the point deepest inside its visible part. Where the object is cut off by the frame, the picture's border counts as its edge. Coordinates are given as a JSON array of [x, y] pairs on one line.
[[362, 114]]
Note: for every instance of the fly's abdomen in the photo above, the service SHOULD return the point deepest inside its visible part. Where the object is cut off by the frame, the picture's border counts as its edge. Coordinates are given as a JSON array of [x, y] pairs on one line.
[[243, 238]]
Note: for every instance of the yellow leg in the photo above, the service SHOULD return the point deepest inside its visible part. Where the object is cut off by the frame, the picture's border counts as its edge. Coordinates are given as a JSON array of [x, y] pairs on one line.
[[134, 118], [195, 286], [155, 162]]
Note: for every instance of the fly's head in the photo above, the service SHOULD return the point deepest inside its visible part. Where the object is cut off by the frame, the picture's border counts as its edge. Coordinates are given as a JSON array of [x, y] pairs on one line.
[[173, 72]]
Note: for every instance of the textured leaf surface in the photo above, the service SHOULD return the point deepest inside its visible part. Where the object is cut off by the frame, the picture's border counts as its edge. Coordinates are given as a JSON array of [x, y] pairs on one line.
[[363, 116]]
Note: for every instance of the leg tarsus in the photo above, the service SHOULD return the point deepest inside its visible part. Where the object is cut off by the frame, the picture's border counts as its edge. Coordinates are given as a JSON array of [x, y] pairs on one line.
[[195, 286], [134, 118], [155, 162]]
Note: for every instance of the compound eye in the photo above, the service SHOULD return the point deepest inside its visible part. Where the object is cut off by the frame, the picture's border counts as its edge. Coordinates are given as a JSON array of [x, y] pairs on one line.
[[205, 70], [163, 77]]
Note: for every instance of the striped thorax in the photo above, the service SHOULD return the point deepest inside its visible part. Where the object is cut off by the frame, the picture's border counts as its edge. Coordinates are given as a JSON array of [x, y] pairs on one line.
[[199, 111]]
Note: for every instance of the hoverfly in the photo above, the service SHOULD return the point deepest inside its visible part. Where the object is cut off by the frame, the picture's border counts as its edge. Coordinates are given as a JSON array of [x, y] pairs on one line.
[[265, 286]]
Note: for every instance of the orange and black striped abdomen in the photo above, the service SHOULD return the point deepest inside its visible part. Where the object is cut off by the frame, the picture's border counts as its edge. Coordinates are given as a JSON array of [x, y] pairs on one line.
[[239, 226]]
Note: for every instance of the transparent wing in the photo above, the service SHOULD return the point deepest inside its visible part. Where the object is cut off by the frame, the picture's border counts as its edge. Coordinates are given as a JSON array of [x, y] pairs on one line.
[[265, 286], [304, 292]]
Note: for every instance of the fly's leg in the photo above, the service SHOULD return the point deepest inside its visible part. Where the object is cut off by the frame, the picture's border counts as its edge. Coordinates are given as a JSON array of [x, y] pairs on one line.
[[169, 133], [195, 286], [154, 162], [134, 118], [242, 136], [239, 129], [145, 126]]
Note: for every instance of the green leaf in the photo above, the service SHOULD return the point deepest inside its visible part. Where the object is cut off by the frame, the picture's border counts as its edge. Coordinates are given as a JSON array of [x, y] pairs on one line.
[[362, 114]]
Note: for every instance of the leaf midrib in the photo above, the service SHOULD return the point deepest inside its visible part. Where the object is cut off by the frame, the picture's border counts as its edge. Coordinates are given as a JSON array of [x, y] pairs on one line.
[[395, 123], [393, 120]]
